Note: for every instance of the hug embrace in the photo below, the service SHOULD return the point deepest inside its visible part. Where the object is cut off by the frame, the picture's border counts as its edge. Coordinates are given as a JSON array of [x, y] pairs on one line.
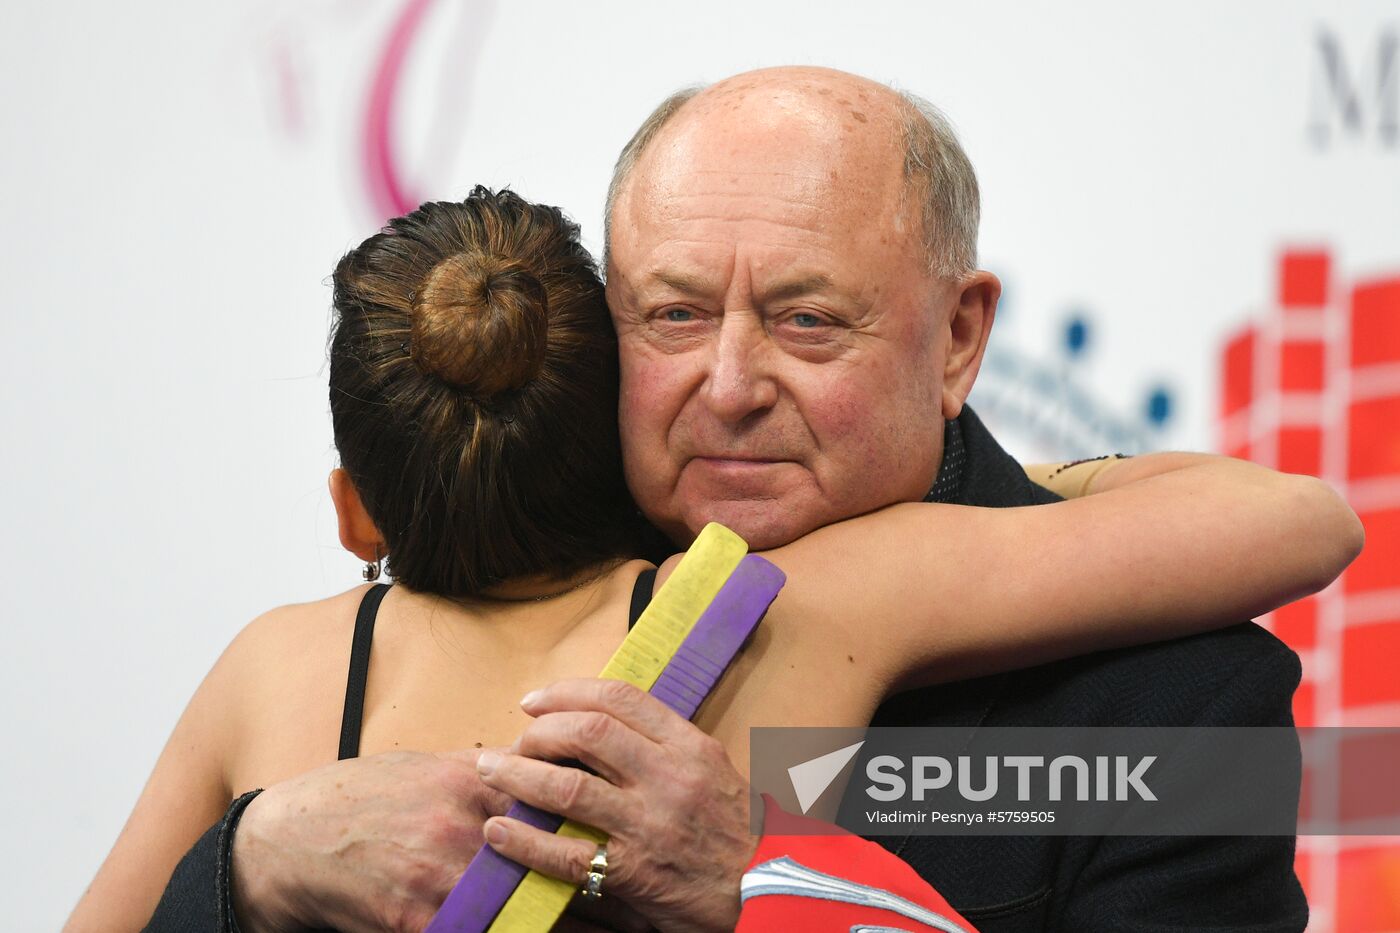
[[789, 324]]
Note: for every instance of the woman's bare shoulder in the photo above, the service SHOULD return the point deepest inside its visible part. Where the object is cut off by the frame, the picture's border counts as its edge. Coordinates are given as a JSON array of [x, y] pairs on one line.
[[286, 629], [665, 569], [285, 674], [297, 639]]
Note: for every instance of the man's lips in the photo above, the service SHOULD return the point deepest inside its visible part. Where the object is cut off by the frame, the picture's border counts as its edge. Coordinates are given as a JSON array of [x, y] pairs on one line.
[[728, 459], [735, 466], [738, 476]]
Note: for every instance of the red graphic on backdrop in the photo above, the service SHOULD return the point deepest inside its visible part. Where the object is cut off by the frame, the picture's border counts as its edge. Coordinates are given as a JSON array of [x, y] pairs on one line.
[[1314, 388]]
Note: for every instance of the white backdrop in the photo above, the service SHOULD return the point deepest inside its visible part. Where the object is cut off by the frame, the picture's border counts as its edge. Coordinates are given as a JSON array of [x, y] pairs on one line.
[[180, 178]]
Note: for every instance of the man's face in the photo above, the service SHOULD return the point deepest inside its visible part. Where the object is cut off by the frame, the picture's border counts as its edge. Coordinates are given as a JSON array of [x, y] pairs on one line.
[[782, 344]]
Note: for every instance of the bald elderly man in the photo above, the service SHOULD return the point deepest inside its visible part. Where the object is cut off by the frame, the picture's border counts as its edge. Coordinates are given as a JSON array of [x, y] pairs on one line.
[[809, 237]]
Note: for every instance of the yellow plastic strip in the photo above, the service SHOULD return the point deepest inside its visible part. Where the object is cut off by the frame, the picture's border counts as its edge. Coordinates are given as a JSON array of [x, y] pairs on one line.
[[539, 900]]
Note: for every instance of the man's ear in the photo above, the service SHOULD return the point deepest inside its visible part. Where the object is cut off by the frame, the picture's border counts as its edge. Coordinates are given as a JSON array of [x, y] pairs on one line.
[[357, 532], [969, 324]]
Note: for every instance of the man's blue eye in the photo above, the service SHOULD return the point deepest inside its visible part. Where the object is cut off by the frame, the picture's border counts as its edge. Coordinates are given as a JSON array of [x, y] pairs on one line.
[[678, 315], [806, 320]]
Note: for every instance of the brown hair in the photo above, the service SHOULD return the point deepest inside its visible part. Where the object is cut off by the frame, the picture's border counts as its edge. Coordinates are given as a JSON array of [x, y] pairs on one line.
[[473, 387]]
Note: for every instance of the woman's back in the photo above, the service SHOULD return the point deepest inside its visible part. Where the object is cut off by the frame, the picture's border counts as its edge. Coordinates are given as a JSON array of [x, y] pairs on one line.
[[442, 675]]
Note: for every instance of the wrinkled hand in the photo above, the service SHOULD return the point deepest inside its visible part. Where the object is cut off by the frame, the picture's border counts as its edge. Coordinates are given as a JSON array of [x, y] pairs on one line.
[[365, 844], [674, 807]]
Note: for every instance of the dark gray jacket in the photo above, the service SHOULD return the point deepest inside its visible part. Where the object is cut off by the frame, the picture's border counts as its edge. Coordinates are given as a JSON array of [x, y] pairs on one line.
[[1239, 676]]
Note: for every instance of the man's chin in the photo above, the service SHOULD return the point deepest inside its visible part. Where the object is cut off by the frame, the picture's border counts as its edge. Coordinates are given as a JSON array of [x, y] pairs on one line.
[[764, 524]]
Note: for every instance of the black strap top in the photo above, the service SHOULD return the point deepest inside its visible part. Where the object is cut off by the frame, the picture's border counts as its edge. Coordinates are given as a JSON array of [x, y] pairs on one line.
[[364, 635]]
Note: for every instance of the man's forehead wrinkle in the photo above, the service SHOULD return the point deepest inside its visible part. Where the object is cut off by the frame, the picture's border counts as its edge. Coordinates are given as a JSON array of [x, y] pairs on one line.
[[796, 214], [723, 184], [796, 286], [826, 183], [681, 281], [784, 286], [775, 275], [754, 157]]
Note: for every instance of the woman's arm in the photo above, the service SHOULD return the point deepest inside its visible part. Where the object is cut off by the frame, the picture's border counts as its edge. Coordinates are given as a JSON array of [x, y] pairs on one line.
[[186, 793], [1168, 545]]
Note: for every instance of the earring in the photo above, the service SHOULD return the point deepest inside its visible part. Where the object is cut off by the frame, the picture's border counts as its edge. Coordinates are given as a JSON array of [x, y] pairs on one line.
[[372, 568]]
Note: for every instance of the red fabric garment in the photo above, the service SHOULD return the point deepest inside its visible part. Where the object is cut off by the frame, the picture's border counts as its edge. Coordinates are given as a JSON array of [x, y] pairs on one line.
[[809, 875]]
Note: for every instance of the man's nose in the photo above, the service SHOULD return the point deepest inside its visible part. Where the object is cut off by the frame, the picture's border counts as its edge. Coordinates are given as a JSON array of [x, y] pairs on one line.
[[741, 381]]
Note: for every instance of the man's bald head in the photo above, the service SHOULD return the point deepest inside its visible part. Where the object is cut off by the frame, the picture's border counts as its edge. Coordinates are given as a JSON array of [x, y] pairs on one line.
[[938, 178]]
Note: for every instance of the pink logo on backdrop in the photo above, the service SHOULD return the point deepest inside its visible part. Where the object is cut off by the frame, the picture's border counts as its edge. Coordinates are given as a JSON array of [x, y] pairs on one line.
[[389, 192], [390, 183]]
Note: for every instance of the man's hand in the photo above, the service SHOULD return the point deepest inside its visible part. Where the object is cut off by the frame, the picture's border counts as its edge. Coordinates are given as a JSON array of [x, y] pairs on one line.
[[676, 811], [365, 844]]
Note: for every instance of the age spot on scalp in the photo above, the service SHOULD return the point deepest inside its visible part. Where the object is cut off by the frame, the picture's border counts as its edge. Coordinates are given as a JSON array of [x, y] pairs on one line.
[[859, 116]]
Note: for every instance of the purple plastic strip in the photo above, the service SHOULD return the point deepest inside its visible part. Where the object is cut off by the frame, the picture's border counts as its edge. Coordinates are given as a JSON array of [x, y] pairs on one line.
[[712, 645], [489, 881], [688, 678]]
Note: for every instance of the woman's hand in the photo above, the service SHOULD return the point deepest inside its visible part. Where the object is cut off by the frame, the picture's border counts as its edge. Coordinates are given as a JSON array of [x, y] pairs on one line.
[[1334, 535]]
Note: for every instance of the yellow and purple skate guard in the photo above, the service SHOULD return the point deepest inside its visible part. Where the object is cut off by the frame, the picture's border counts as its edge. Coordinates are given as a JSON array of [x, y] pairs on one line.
[[678, 650]]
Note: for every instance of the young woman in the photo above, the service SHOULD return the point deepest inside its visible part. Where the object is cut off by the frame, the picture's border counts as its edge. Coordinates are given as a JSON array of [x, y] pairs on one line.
[[473, 386]]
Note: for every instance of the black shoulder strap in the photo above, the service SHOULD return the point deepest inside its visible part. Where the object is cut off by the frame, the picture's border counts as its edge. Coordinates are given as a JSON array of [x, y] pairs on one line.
[[641, 595], [359, 671]]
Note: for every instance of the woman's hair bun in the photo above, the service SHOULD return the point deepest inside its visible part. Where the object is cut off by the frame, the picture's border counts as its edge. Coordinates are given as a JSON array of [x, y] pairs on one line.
[[480, 324], [473, 391]]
